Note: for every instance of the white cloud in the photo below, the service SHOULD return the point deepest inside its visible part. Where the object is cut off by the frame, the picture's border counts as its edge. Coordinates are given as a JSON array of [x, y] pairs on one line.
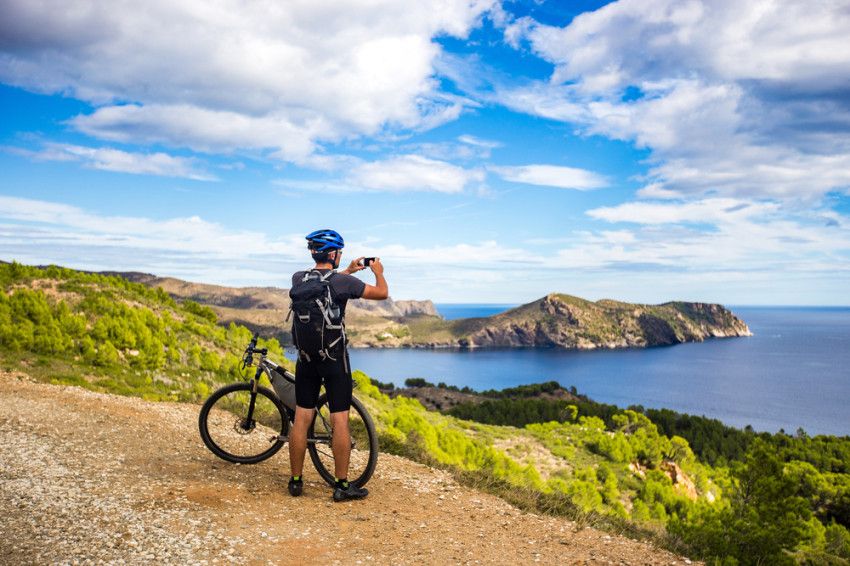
[[722, 39], [66, 226], [39, 232], [110, 159], [768, 247], [449, 150], [552, 176], [751, 246], [206, 130], [466, 148], [708, 211], [263, 75], [478, 142], [742, 99], [657, 191], [413, 173], [396, 174]]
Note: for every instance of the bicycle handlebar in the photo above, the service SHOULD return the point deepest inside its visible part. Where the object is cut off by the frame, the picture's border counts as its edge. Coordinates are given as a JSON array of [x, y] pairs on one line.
[[248, 357]]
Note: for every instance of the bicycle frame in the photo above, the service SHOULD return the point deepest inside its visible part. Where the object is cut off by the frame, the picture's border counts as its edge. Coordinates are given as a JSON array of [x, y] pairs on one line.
[[272, 370]]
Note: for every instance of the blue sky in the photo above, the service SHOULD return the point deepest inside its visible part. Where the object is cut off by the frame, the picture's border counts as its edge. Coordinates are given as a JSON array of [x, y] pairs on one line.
[[488, 152]]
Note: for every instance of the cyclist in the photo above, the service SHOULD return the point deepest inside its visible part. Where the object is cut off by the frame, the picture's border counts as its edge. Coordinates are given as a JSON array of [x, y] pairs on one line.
[[326, 248]]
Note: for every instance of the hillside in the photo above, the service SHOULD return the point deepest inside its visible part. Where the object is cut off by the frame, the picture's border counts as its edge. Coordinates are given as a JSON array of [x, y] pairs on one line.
[[264, 309], [564, 321], [782, 501], [80, 484], [444, 397], [557, 320]]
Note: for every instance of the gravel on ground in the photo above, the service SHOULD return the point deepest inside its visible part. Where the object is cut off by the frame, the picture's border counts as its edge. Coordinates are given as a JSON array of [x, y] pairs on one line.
[[92, 478]]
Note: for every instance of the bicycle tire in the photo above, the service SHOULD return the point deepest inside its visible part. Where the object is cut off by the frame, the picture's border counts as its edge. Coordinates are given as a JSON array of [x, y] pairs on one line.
[[209, 439], [371, 458]]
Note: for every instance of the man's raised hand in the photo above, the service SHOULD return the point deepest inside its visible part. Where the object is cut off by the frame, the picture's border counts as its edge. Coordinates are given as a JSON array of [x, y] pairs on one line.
[[355, 266]]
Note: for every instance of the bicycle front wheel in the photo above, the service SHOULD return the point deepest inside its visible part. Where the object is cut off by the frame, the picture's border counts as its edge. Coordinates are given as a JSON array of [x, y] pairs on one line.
[[364, 443], [243, 426]]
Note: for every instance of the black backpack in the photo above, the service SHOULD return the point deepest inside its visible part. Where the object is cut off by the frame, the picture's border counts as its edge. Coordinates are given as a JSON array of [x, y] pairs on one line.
[[318, 328]]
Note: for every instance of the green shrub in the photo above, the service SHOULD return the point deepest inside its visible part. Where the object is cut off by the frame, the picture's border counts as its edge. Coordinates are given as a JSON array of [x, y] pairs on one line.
[[417, 382]]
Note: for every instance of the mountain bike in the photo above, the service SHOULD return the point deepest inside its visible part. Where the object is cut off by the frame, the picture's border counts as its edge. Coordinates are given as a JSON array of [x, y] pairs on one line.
[[247, 423]]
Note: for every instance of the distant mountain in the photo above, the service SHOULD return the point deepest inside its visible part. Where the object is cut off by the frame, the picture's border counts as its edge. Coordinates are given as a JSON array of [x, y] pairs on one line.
[[554, 321], [264, 309], [564, 321]]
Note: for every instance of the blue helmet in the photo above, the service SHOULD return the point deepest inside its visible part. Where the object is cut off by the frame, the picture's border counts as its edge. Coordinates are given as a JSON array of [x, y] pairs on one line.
[[324, 240]]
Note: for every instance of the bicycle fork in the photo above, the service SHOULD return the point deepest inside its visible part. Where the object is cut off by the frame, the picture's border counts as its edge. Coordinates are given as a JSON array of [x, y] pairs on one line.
[[248, 423]]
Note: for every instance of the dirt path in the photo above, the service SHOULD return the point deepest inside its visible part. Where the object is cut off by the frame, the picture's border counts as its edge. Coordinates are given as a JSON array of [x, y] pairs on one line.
[[88, 477]]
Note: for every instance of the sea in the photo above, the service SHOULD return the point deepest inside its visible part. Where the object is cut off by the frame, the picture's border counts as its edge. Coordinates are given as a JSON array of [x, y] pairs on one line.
[[793, 373]]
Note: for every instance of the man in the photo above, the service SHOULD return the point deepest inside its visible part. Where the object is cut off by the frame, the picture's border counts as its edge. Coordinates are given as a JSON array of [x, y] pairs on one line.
[[331, 365]]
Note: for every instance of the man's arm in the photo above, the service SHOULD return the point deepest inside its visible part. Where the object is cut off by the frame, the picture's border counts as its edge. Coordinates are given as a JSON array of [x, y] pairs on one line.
[[379, 291]]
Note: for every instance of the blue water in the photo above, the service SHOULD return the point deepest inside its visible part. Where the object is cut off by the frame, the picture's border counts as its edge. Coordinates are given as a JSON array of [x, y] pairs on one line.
[[451, 311], [794, 372]]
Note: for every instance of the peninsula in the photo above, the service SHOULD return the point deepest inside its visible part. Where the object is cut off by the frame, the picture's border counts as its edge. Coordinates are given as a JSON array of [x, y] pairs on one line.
[[554, 321]]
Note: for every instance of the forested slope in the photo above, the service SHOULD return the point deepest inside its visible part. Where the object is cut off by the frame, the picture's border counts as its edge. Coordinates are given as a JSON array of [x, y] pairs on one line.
[[106, 333]]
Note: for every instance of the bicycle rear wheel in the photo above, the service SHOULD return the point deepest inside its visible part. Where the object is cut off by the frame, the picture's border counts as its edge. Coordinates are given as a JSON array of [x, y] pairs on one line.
[[237, 430], [364, 443]]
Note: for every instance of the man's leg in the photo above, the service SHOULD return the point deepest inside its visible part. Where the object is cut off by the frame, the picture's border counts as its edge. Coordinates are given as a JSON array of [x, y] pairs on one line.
[[307, 384], [298, 439], [341, 443], [338, 385]]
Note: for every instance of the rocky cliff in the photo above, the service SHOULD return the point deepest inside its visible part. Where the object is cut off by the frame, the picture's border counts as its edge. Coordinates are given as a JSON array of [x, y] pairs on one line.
[[391, 308], [563, 321]]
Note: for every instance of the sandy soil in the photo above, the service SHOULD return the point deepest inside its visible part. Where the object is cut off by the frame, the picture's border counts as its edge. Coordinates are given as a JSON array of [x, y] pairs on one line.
[[92, 478]]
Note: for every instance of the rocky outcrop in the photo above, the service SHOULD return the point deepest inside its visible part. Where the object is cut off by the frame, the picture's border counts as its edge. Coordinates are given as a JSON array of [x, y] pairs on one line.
[[681, 482], [562, 321], [411, 308], [554, 321], [656, 330], [390, 308]]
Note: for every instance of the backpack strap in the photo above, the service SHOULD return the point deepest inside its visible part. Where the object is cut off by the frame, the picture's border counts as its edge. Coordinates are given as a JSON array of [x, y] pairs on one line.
[[308, 274], [328, 324]]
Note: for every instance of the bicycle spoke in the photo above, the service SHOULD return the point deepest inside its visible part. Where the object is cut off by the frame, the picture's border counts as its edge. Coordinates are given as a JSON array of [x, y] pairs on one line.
[[322, 429], [231, 430]]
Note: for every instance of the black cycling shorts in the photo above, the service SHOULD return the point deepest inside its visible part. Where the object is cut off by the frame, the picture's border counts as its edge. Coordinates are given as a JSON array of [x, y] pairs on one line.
[[336, 376]]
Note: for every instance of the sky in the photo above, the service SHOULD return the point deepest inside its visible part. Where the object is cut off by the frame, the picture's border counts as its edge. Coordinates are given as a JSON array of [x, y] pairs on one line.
[[488, 152]]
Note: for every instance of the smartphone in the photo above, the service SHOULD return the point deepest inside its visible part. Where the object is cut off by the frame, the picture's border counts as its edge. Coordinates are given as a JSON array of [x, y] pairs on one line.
[[367, 261]]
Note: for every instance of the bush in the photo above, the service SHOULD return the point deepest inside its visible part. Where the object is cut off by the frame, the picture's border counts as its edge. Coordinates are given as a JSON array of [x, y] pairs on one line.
[[762, 521], [382, 385], [200, 310], [417, 382]]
